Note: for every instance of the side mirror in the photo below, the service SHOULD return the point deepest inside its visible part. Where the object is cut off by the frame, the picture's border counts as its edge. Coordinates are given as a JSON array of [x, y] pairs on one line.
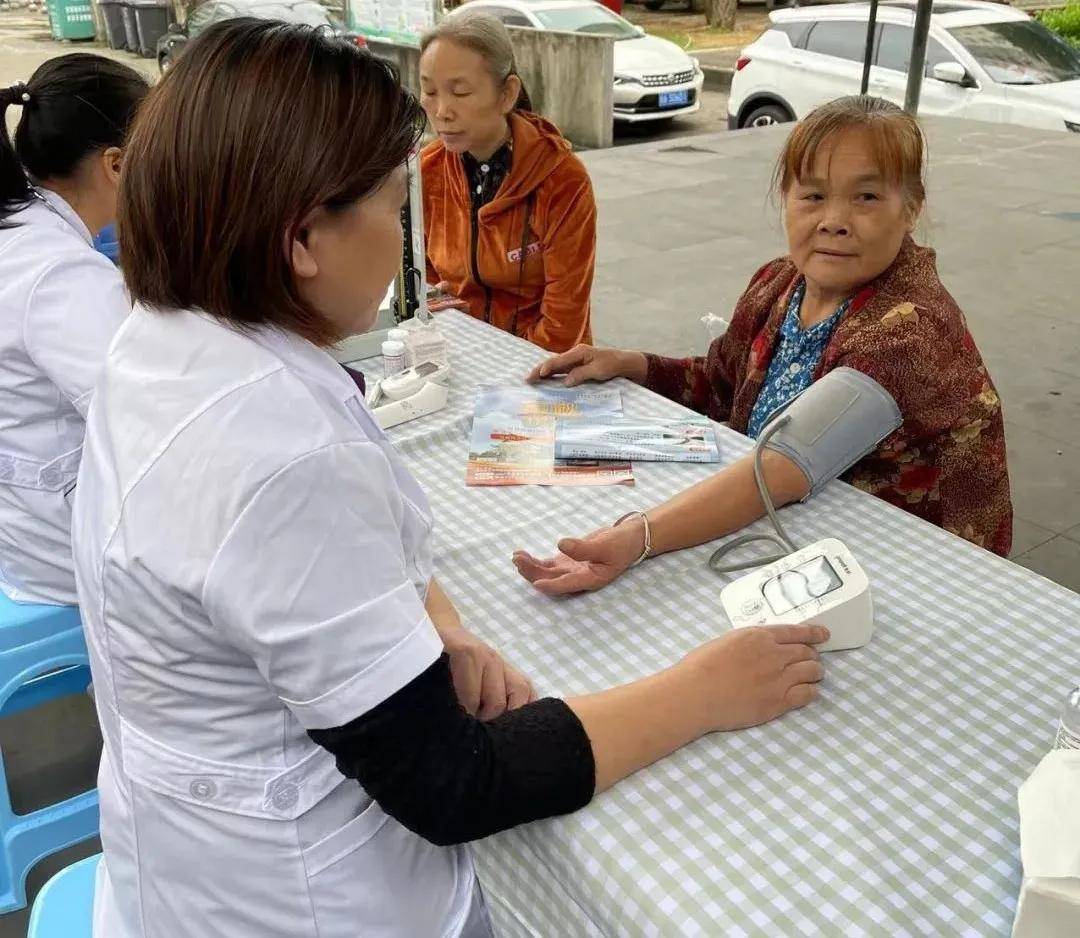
[[952, 73]]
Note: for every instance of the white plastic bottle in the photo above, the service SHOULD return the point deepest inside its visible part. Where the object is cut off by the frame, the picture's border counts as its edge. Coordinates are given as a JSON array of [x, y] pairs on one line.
[[1068, 734], [402, 336], [393, 357]]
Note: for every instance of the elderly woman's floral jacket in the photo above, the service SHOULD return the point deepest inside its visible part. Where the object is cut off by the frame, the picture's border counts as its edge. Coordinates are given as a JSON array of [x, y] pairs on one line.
[[946, 463]]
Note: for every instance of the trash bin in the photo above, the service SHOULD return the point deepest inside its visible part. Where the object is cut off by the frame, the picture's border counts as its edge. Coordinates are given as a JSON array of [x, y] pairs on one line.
[[112, 12], [71, 19], [152, 18], [131, 27]]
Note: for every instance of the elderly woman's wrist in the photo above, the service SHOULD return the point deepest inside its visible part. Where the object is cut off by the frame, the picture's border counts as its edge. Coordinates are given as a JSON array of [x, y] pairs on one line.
[[634, 365]]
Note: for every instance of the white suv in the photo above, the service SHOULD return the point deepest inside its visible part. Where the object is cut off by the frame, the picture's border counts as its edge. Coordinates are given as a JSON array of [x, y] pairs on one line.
[[984, 61]]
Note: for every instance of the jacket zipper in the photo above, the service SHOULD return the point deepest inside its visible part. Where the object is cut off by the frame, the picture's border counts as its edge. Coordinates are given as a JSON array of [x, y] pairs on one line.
[[475, 218]]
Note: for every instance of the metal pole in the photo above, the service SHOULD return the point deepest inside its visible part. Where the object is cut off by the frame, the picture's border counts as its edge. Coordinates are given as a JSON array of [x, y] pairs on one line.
[[917, 63], [868, 56]]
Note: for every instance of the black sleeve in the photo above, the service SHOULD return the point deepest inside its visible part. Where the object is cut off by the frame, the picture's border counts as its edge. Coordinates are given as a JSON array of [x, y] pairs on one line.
[[452, 778]]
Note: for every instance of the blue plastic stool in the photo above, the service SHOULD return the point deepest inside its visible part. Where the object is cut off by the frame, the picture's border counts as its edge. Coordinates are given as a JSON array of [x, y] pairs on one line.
[[65, 906], [42, 656]]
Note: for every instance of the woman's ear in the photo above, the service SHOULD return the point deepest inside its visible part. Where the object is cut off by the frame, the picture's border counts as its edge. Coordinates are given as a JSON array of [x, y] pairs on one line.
[[112, 159], [510, 94], [299, 253], [914, 212]]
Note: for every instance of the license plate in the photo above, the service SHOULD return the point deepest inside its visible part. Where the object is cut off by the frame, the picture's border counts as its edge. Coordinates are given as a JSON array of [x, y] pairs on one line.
[[675, 99]]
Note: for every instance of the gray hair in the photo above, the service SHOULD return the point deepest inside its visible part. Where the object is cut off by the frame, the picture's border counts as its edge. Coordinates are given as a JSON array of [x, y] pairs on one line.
[[484, 34]]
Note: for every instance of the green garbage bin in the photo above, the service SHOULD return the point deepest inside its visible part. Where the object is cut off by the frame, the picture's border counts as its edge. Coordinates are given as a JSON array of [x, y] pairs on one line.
[[71, 19]]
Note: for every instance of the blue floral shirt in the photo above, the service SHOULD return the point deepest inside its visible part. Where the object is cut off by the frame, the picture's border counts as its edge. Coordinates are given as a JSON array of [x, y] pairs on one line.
[[798, 353]]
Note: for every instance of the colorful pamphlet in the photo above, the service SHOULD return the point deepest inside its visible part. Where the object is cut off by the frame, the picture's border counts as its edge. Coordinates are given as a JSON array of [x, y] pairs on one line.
[[513, 437]]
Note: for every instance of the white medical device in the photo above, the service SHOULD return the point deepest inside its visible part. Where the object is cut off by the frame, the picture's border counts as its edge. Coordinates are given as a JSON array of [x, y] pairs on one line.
[[824, 431], [822, 584], [410, 394]]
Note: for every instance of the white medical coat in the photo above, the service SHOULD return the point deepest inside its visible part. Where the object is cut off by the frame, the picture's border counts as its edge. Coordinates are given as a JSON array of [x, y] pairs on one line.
[[61, 302], [252, 559]]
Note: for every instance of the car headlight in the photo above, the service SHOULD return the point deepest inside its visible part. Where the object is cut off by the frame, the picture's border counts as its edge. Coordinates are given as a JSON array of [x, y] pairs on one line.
[[626, 80], [1073, 126], [697, 68]]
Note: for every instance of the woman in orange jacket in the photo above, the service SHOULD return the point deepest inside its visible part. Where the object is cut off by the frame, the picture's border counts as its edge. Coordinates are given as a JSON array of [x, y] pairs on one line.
[[509, 213]]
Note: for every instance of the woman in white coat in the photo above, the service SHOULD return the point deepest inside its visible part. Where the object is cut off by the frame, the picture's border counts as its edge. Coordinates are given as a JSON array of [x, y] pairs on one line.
[[255, 561], [60, 301]]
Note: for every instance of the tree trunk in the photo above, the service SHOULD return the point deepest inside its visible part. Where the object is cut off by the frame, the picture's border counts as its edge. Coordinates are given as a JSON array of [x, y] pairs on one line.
[[721, 13]]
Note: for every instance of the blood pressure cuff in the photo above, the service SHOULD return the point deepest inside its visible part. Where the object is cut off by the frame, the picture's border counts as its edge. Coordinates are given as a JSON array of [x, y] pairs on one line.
[[832, 424]]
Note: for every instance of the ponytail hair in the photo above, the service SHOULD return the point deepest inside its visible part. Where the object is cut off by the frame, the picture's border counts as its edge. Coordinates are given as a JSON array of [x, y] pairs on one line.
[[72, 106], [485, 35], [14, 186]]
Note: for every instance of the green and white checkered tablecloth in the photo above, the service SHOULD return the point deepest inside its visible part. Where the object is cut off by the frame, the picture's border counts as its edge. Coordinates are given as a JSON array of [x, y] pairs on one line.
[[887, 808]]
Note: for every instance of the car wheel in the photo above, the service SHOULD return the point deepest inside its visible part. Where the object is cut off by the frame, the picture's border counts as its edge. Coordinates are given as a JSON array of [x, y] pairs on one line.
[[653, 5], [766, 116]]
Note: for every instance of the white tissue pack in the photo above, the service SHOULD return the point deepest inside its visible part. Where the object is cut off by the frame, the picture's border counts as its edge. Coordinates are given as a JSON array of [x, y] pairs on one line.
[[1049, 904]]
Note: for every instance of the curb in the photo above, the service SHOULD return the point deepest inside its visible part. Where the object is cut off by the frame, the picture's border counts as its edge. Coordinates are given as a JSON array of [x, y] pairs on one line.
[[717, 79]]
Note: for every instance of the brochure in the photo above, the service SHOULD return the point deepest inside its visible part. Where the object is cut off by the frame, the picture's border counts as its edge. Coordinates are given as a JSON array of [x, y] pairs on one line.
[[513, 437]]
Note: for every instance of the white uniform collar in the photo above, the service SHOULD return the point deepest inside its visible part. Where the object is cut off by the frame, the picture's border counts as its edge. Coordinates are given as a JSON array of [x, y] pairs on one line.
[[307, 359], [60, 206]]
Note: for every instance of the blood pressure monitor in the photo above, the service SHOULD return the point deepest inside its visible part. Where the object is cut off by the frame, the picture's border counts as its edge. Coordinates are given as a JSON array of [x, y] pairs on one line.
[[821, 584], [410, 394]]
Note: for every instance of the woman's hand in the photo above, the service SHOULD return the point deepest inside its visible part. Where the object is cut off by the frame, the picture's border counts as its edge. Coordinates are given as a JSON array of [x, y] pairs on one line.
[[485, 684], [587, 564], [442, 299], [753, 675], [587, 363]]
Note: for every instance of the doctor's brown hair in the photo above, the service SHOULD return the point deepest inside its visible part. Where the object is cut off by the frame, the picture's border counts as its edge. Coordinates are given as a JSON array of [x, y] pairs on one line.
[[257, 124]]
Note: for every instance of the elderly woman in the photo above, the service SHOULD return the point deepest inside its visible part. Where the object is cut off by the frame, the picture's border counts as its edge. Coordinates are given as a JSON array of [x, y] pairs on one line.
[[509, 213], [855, 291]]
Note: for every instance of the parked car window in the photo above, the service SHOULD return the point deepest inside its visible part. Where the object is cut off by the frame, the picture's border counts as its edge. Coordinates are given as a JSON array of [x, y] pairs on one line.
[[588, 18], [305, 12], [796, 32], [1020, 52], [842, 40], [509, 17], [894, 49], [205, 14]]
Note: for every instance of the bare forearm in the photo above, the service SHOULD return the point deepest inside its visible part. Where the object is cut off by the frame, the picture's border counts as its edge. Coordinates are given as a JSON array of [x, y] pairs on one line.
[[634, 365], [633, 726], [724, 503], [441, 609]]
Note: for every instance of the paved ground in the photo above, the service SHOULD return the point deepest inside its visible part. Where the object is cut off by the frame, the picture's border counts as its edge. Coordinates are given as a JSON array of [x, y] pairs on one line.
[[683, 224], [25, 43], [712, 118]]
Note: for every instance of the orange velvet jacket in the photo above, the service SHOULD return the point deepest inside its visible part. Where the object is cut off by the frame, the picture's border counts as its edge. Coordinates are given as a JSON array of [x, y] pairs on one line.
[[525, 262], [946, 463]]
